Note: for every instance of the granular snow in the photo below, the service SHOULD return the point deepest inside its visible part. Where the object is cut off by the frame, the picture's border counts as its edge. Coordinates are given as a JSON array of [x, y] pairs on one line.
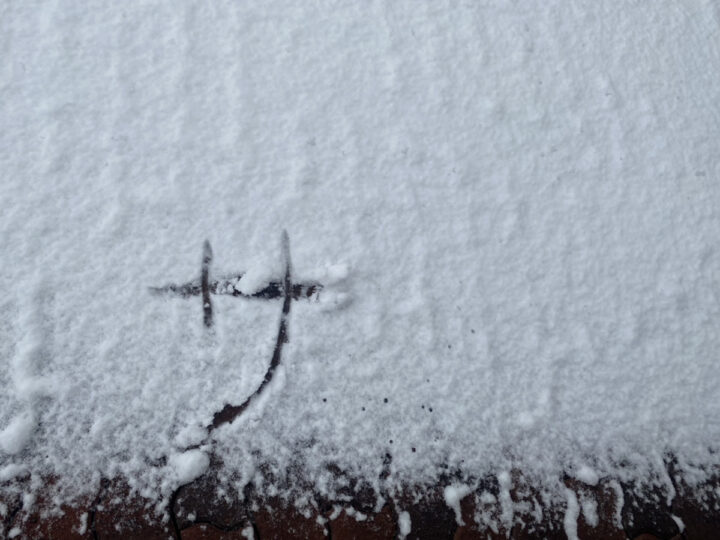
[[514, 208]]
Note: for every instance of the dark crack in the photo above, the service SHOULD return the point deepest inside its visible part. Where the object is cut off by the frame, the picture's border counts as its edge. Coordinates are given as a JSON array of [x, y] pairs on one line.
[[229, 286], [204, 287]]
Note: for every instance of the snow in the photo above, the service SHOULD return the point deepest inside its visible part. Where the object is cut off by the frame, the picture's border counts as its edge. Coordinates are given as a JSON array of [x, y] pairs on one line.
[[679, 522], [572, 512], [507, 509], [588, 475], [513, 211], [453, 495], [190, 435], [257, 276], [188, 466], [336, 273], [589, 510], [82, 529], [16, 435], [404, 524], [11, 471], [620, 496]]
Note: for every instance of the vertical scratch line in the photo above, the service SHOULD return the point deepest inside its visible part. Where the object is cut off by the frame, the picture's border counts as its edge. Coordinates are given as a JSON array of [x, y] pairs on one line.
[[204, 284], [230, 412]]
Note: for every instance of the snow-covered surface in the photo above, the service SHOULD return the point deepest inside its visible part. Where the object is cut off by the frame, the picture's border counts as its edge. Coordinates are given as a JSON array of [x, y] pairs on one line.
[[11, 471], [587, 475], [187, 466], [453, 495], [257, 276], [516, 209], [404, 524], [572, 512], [17, 433]]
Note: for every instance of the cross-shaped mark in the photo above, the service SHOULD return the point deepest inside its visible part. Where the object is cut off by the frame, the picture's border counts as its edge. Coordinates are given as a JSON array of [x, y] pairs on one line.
[[204, 287], [230, 285]]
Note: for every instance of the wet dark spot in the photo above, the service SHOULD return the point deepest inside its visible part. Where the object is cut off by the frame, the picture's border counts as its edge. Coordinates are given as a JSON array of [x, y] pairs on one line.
[[363, 408], [430, 409], [324, 400], [385, 400], [449, 346], [422, 406], [472, 330], [391, 441]]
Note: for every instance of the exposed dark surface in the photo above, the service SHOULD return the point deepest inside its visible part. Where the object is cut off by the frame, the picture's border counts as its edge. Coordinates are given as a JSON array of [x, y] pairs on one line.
[[199, 513], [204, 286]]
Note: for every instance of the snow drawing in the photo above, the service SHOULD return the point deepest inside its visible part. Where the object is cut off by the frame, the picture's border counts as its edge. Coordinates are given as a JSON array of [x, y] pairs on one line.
[[236, 285]]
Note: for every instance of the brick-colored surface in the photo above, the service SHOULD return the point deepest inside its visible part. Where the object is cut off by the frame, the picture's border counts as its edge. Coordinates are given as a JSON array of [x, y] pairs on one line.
[[208, 532], [430, 516], [606, 499], [116, 513], [526, 525], [481, 517], [647, 511], [206, 500], [121, 515], [548, 528], [70, 524], [378, 526], [699, 509], [43, 521], [279, 521]]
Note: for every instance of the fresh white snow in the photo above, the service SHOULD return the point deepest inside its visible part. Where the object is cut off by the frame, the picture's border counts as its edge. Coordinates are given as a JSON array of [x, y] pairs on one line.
[[187, 466], [587, 475], [572, 512], [589, 510], [453, 495], [514, 210], [11, 471], [257, 275], [679, 522], [404, 524], [15, 436]]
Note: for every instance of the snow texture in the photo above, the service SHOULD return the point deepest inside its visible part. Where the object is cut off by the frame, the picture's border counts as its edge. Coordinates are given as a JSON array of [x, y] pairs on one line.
[[572, 513], [82, 528], [453, 495], [189, 465], [190, 435], [17, 433], [404, 524], [257, 276], [13, 470], [515, 208], [589, 510], [507, 509], [679, 522], [587, 475]]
